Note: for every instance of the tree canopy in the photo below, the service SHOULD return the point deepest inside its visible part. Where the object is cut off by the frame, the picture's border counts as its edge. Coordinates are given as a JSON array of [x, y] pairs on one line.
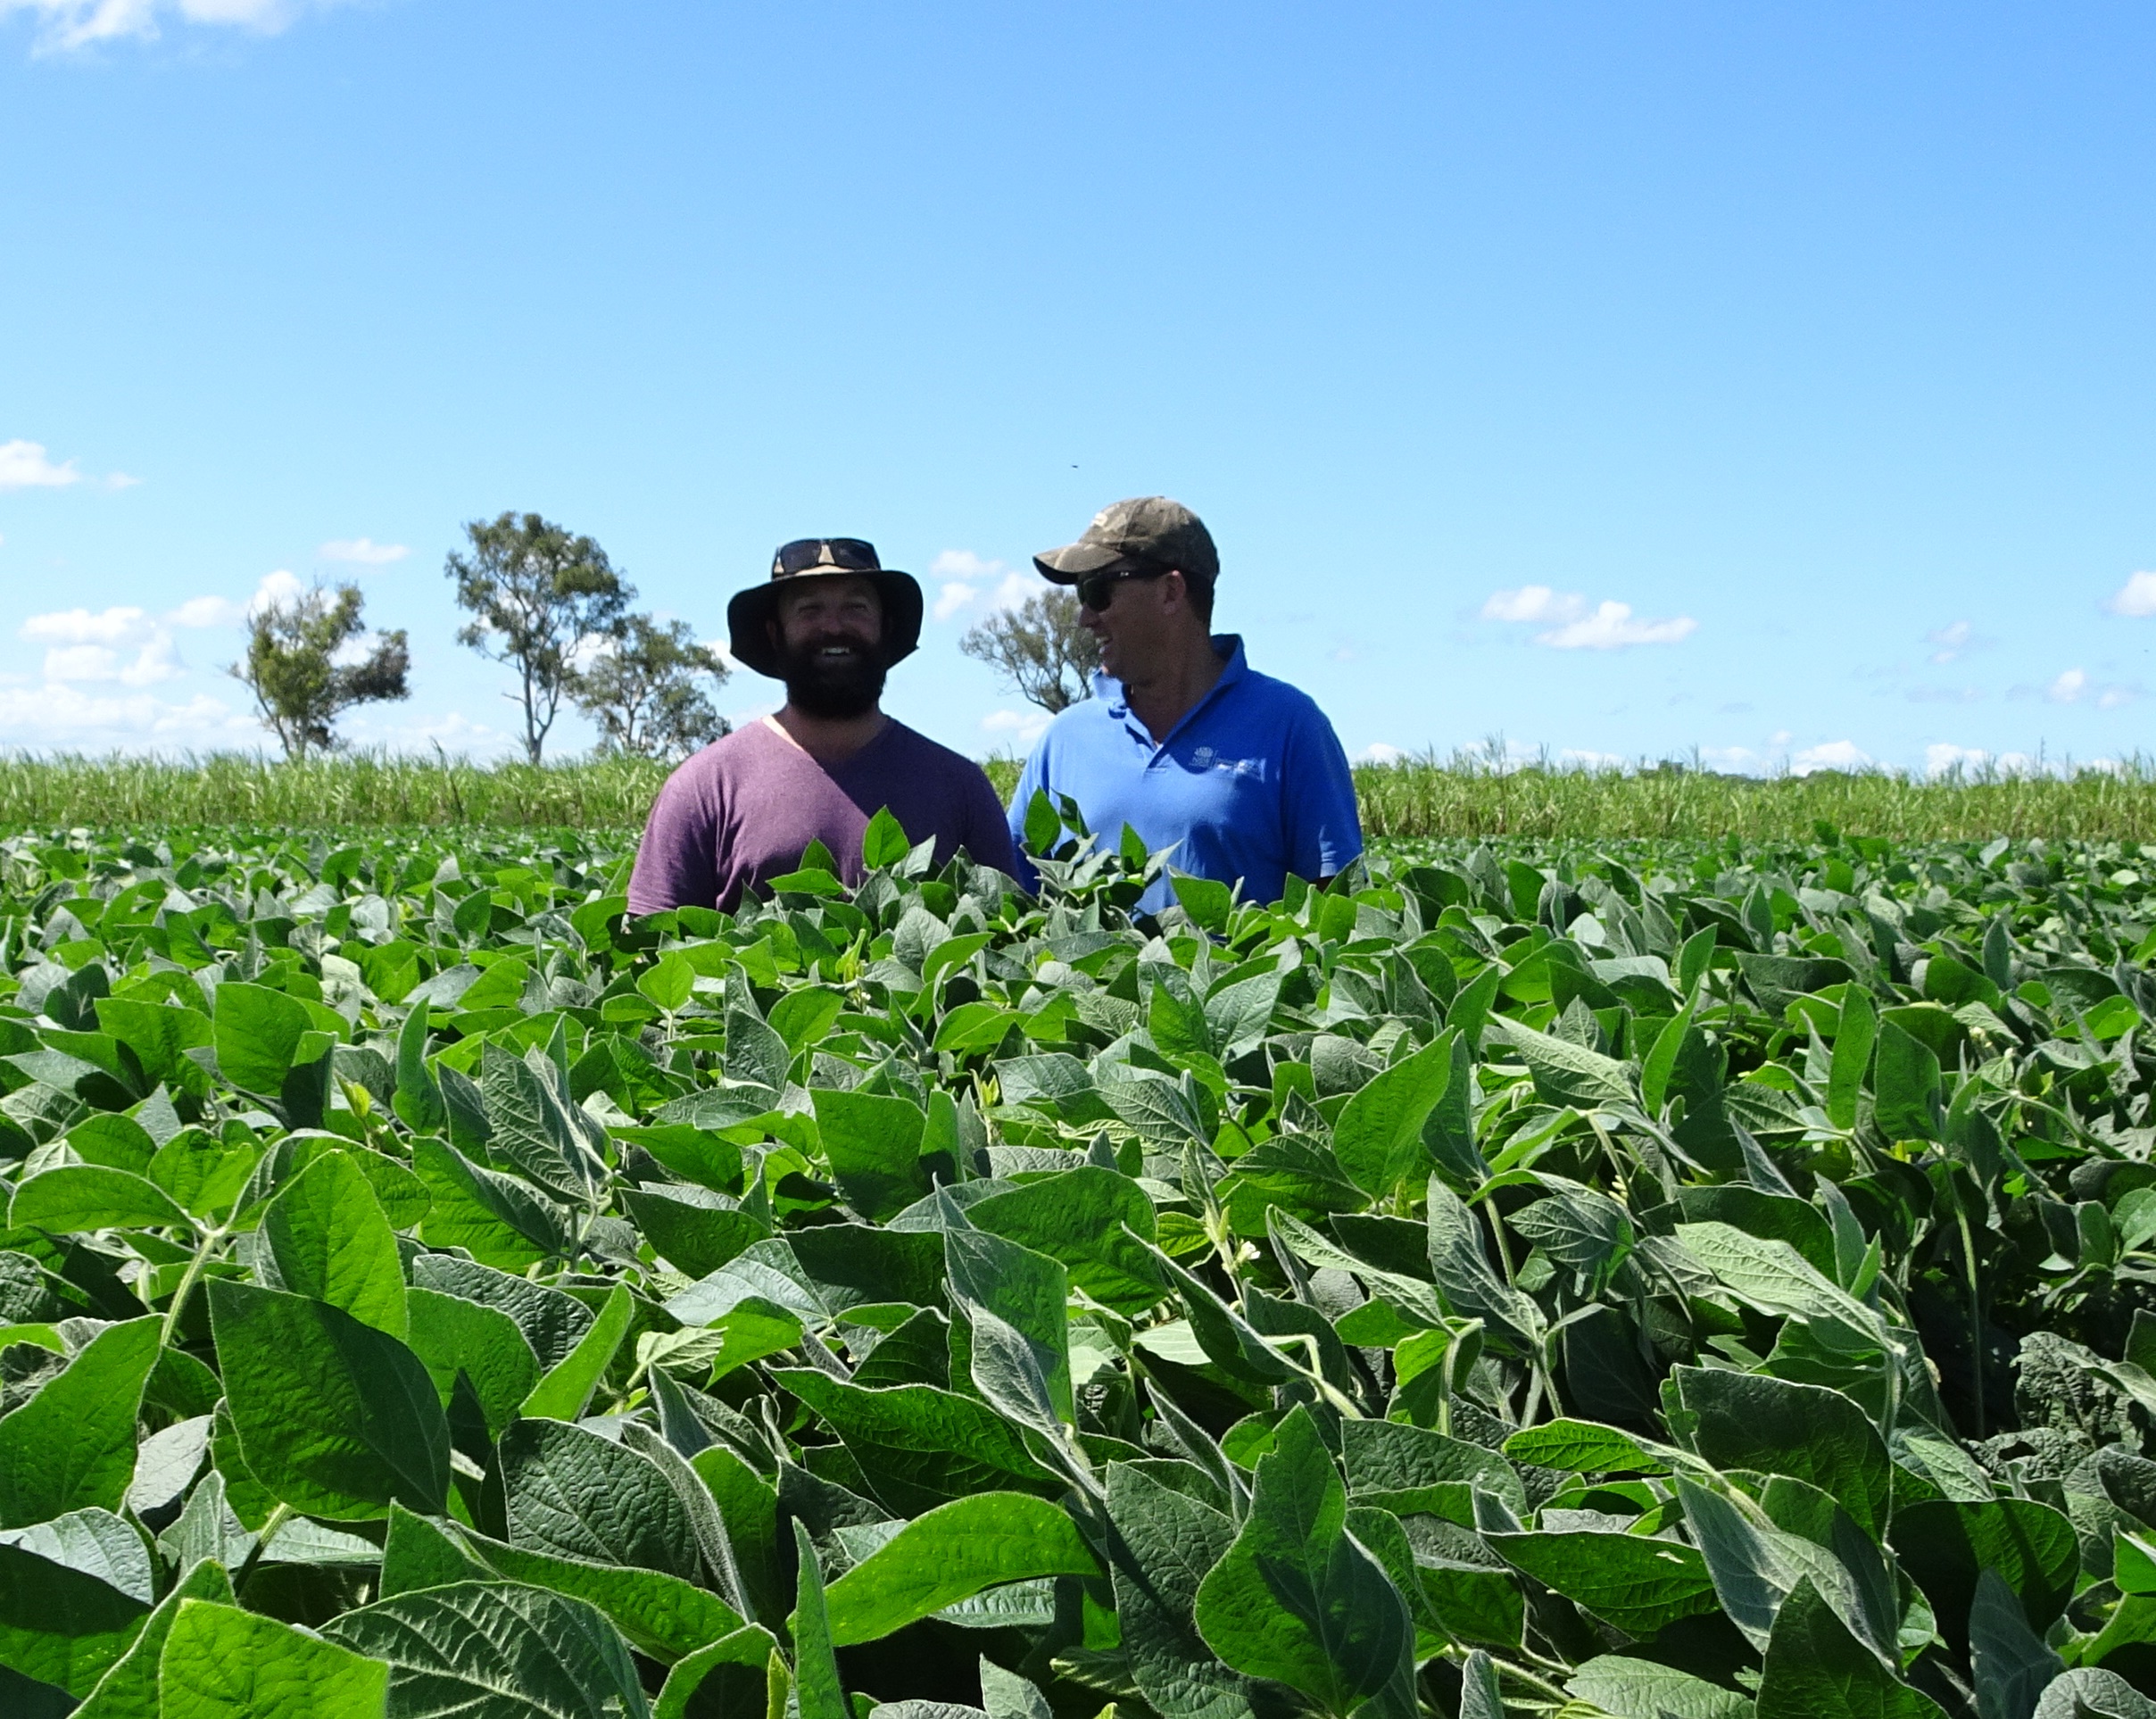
[[535, 593], [303, 673], [1041, 648], [642, 689]]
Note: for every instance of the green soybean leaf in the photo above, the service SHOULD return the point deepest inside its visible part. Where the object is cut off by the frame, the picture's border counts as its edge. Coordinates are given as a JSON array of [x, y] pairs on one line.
[[1378, 1134], [207, 1173], [334, 1418], [222, 1663], [693, 1237], [417, 1553], [662, 1616], [1568, 1073], [727, 1676], [62, 1626], [1079, 1217], [1816, 1669], [1413, 1471], [1644, 1689], [1296, 1598], [495, 1650], [258, 1034], [71, 1446], [1635, 1583], [500, 1221], [552, 1323], [2086, 1694], [1747, 1420], [417, 1101], [815, 1666], [1756, 1568], [1166, 1540], [1464, 1276], [574, 1494], [452, 1335], [1943, 1546], [128, 1689], [1853, 1038], [331, 1241], [1906, 1080], [566, 1390], [874, 1145], [919, 1447], [1015, 1300], [76, 1197], [669, 982], [1584, 1448], [2011, 1665], [950, 1554]]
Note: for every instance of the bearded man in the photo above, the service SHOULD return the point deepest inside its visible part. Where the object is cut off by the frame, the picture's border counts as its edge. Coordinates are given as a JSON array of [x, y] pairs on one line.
[[829, 622]]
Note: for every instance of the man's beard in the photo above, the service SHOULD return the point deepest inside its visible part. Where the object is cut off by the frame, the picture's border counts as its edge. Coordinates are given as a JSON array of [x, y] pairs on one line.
[[835, 688]]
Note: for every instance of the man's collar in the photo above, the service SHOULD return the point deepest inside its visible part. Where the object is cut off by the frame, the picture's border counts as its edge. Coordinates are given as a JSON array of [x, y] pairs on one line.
[[1227, 645]]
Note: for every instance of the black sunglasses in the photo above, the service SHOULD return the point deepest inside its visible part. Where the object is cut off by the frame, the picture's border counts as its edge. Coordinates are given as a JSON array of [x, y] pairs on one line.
[[1097, 591], [805, 554]]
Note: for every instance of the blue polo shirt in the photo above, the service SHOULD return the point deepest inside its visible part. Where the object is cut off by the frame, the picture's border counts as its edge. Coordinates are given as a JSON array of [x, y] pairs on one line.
[[1251, 785]]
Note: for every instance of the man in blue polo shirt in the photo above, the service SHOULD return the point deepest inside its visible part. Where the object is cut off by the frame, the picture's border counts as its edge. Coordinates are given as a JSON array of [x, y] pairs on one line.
[[1239, 774]]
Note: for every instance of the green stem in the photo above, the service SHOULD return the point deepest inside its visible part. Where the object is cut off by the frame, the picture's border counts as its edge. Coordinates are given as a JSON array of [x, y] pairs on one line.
[[1975, 1315], [209, 1245], [1541, 1684], [279, 1518]]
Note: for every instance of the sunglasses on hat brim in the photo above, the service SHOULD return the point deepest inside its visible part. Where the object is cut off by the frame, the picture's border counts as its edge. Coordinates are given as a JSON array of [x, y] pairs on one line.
[[826, 554]]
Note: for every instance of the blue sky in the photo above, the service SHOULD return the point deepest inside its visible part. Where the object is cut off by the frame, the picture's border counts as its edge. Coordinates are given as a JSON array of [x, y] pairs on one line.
[[1771, 381]]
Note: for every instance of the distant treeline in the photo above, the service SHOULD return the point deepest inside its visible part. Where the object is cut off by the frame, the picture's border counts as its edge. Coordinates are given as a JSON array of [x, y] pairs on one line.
[[1411, 799]]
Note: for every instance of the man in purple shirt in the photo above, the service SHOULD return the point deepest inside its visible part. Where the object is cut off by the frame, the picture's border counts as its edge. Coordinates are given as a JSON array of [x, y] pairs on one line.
[[829, 623]]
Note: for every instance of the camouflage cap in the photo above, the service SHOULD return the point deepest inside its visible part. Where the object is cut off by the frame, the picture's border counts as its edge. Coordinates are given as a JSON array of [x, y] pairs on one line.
[[1147, 531]]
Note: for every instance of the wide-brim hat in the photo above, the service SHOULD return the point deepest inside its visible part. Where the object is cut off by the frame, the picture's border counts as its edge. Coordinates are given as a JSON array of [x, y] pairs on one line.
[[749, 613]]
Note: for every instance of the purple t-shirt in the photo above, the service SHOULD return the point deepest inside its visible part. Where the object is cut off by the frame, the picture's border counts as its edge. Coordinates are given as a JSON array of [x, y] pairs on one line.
[[745, 809]]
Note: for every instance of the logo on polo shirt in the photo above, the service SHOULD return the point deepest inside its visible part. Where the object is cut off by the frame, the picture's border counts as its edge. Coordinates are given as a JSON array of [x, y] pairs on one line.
[[1211, 758]]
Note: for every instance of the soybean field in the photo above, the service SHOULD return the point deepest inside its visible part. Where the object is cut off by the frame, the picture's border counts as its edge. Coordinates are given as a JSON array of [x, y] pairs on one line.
[[1619, 1277]]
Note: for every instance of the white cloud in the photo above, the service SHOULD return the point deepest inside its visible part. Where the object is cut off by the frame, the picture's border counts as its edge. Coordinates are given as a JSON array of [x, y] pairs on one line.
[[2069, 687], [1024, 727], [1954, 641], [207, 611], [2136, 596], [953, 597], [1533, 602], [1591, 761], [1380, 751], [1608, 627], [66, 716], [397, 730], [964, 576], [362, 551], [1728, 760], [117, 626], [1974, 760], [1834, 755], [23, 465], [92, 647], [1611, 627], [79, 23], [276, 591]]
